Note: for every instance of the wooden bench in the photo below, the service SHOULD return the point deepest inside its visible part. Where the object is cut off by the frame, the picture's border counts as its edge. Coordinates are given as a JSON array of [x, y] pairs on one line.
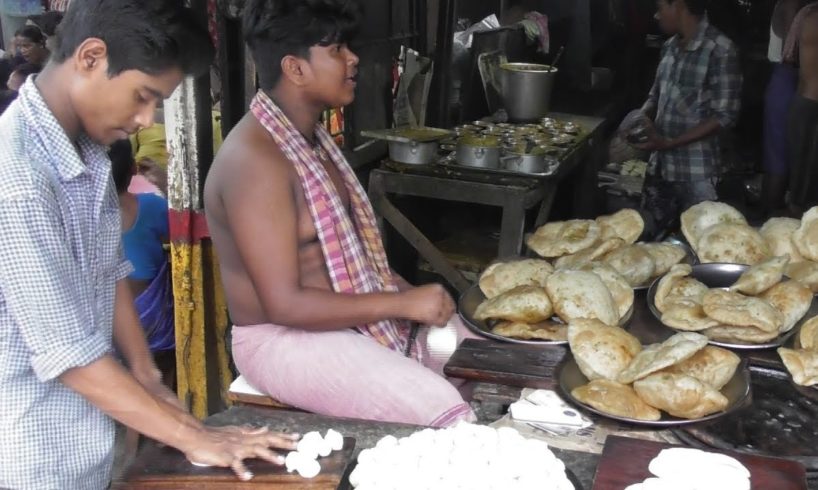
[[243, 393]]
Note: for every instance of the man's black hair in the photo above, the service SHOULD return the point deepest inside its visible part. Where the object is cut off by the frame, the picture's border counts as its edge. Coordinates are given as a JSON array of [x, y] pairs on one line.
[[27, 69], [47, 21], [146, 35], [122, 164], [695, 7], [274, 29], [32, 33]]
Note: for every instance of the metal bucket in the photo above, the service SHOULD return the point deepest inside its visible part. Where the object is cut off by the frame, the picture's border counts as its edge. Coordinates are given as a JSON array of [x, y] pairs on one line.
[[526, 90]]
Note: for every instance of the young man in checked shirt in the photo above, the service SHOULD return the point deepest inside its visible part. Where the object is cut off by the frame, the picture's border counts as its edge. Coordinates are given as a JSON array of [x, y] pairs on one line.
[[696, 95], [64, 300]]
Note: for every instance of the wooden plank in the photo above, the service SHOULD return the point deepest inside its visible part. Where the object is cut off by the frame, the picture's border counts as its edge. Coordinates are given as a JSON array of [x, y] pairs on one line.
[[166, 468], [625, 461], [530, 366]]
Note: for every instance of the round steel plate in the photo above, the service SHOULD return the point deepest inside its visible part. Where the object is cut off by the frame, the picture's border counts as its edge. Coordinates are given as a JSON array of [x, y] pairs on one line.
[[716, 275], [468, 302], [737, 391]]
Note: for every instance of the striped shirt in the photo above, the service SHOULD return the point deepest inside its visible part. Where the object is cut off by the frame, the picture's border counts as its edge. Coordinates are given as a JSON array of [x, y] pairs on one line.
[[60, 257], [694, 83]]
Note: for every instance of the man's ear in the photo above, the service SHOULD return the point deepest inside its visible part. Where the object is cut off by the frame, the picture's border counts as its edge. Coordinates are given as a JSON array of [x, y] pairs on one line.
[[294, 69], [91, 55]]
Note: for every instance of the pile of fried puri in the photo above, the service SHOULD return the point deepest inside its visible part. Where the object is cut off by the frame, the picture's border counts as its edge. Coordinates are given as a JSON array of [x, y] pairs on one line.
[[682, 376], [757, 308], [718, 232], [609, 240]]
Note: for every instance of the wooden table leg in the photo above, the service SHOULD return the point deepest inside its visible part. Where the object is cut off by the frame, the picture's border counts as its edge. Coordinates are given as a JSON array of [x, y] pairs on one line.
[[418, 240], [511, 229]]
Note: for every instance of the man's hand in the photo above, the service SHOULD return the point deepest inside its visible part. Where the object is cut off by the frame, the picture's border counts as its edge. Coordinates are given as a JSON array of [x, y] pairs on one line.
[[655, 141], [230, 446], [151, 379], [430, 305]]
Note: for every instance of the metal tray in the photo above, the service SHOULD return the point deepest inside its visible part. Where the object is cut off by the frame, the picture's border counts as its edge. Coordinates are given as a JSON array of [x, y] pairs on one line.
[[449, 162], [737, 391], [468, 302], [717, 275], [421, 134]]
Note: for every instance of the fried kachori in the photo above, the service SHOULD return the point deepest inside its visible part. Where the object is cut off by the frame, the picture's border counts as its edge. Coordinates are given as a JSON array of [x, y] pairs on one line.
[[626, 224], [808, 335], [805, 237], [802, 365], [563, 237], [581, 294], [792, 299], [621, 291], [504, 276], [778, 232], [547, 330], [712, 365], [699, 217], [664, 255], [656, 357], [601, 351], [616, 399], [762, 276], [734, 309], [526, 304], [732, 243], [584, 257], [805, 272], [633, 263], [680, 395]]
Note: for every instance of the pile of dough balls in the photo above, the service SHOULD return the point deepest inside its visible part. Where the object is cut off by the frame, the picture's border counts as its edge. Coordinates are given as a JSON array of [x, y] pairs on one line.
[[683, 468], [304, 459], [466, 456]]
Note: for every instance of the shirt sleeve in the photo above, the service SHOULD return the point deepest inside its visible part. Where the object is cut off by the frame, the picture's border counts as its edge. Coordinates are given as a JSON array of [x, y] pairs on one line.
[[726, 86], [45, 290], [650, 105]]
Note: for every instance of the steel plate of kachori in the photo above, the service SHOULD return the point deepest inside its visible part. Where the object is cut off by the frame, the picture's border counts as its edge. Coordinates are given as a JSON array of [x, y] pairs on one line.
[[722, 276], [737, 391], [471, 299]]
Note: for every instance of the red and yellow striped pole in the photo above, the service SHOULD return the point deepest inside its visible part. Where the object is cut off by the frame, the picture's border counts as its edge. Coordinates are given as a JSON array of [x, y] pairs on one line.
[[203, 373]]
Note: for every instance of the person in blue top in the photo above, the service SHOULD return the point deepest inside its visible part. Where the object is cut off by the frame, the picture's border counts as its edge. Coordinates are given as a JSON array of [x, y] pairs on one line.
[[145, 230]]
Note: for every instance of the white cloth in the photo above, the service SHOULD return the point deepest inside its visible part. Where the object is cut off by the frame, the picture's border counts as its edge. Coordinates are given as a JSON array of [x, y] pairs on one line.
[[776, 48]]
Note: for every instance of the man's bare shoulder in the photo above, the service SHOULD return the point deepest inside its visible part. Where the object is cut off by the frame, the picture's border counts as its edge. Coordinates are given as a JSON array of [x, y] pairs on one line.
[[248, 156]]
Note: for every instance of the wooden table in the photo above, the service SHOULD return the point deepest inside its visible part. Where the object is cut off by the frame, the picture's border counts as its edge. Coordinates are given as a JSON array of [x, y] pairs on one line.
[[365, 433], [515, 195]]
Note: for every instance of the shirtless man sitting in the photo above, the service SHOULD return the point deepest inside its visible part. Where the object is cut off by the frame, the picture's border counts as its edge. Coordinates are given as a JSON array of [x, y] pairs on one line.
[[322, 322]]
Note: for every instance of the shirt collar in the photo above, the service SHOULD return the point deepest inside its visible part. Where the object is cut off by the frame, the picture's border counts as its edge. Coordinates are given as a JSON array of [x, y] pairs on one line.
[[697, 40], [50, 135]]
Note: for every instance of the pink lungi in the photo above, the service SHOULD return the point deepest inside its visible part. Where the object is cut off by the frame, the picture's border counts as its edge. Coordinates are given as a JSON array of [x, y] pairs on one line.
[[346, 374]]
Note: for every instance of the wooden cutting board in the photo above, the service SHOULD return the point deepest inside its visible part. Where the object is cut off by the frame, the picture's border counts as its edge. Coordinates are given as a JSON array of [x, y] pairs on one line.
[[167, 468], [625, 461], [527, 366]]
